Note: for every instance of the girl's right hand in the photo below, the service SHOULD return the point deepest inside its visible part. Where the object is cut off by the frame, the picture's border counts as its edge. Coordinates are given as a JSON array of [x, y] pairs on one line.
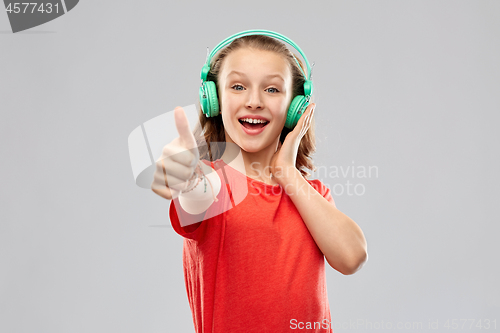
[[178, 160]]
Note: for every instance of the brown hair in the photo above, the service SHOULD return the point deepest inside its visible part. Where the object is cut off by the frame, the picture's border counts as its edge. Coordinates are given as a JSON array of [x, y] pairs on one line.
[[212, 128]]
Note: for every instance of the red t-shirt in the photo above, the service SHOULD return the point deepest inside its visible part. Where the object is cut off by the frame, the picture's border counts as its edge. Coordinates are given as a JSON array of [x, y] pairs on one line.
[[254, 267]]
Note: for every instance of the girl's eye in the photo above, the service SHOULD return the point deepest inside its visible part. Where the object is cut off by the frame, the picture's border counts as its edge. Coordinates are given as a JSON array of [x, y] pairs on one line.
[[236, 86], [271, 89]]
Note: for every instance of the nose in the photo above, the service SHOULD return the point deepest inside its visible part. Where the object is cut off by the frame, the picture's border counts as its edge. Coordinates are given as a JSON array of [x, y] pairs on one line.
[[254, 101]]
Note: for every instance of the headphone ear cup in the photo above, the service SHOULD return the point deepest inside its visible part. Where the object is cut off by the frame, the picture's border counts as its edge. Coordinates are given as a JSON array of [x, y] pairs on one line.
[[211, 91], [204, 101], [299, 103], [208, 99]]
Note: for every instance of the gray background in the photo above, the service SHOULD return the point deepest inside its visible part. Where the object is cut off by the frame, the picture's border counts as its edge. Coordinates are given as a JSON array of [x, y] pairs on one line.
[[411, 87]]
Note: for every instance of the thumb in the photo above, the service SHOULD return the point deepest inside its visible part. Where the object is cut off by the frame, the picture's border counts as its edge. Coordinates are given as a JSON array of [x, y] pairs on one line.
[[278, 147], [182, 124]]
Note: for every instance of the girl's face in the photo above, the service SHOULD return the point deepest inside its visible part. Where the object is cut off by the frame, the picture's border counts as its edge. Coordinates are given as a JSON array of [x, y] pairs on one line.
[[254, 84]]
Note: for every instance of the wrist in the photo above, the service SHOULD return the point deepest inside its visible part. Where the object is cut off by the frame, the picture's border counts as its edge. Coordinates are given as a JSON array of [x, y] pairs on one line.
[[286, 175], [194, 180], [203, 185]]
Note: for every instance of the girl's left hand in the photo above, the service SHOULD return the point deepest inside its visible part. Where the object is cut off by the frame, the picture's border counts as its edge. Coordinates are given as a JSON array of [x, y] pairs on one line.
[[284, 159]]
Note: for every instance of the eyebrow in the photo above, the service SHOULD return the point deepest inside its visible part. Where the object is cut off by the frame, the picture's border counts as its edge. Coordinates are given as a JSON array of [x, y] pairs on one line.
[[267, 76]]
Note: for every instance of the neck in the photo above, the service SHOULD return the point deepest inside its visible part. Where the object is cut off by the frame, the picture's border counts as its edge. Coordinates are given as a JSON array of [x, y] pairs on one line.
[[255, 165]]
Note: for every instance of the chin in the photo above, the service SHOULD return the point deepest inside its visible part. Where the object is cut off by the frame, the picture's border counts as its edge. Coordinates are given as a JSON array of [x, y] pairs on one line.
[[251, 149]]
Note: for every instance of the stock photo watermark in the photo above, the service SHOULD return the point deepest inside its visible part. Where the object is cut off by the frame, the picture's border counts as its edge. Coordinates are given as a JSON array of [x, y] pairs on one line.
[[26, 15], [224, 163], [343, 180], [430, 324], [347, 180]]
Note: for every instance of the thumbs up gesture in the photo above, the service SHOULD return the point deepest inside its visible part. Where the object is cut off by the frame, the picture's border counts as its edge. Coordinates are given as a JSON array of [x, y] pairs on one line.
[[178, 160]]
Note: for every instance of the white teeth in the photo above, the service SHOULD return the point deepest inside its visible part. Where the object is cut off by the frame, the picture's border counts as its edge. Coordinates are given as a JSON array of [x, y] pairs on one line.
[[253, 121]]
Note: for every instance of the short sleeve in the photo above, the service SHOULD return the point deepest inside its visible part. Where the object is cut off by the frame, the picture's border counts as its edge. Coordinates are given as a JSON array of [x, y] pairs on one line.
[[177, 214], [185, 224], [323, 190]]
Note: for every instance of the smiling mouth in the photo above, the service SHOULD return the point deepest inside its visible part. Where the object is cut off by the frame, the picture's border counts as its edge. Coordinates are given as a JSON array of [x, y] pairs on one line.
[[252, 125]]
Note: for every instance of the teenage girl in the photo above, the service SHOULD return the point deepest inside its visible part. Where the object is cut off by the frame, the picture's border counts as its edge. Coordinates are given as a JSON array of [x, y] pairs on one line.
[[256, 232]]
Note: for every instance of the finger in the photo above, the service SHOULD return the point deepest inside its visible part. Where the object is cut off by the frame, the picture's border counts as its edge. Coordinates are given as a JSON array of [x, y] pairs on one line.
[[305, 115], [306, 125], [307, 121], [169, 181], [311, 118], [185, 157], [310, 113], [176, 173], [161, 180], [160, 186], [182, 125], [310, 110], [165, 192], [179, 154], [297, 131], [177, 170]]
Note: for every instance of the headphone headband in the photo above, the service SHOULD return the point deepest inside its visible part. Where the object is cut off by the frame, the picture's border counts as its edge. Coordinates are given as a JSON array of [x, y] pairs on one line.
[[206, 68]]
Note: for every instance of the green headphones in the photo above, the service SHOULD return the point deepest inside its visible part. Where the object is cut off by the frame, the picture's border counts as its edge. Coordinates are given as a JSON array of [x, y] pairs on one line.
[[208, 90]]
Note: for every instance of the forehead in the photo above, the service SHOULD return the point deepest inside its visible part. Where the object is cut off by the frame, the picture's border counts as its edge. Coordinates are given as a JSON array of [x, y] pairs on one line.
[[256, 62]]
